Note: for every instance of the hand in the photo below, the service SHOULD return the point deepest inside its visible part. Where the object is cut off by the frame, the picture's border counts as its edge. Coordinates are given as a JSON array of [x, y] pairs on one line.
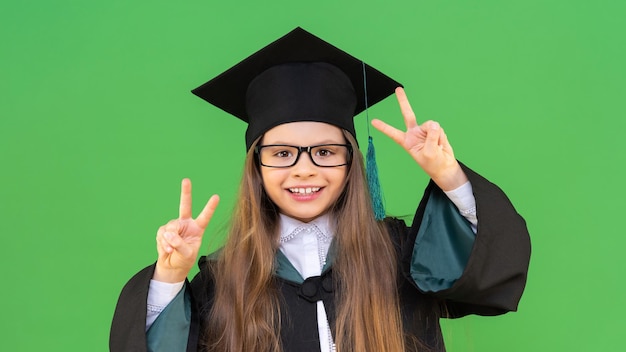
[[178, 241], [427, 144]]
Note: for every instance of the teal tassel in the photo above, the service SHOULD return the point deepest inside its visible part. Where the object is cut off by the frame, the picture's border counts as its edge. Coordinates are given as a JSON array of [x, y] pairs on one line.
[[373, 182]]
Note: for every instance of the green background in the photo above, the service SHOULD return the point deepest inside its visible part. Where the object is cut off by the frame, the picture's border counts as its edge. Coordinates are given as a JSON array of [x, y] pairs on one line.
[[97, 127]]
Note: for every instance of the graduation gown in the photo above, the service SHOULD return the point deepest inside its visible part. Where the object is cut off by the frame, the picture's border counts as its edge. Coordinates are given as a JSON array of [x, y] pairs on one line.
[[444, 271]]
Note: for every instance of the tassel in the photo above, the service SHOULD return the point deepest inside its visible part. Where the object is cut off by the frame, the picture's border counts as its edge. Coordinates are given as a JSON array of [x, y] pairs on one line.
[[373, 182], [371, 169]]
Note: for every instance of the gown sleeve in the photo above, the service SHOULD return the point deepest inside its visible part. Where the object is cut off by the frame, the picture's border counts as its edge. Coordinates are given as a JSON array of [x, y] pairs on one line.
[[177, 327], [128, 329], [483, 274]]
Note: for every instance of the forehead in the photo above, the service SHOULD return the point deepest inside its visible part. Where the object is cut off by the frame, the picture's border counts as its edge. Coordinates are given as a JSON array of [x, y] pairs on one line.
[[304, 133]]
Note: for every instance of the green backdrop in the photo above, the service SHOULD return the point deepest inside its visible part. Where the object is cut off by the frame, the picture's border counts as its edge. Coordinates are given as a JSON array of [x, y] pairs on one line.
[[97, 127]]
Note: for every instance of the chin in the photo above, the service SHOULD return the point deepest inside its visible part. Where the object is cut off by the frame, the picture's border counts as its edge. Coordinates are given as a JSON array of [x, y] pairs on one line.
[[307, 217]]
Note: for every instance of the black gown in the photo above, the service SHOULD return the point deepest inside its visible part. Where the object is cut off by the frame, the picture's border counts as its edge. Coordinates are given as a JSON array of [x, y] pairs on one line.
[[492, 280]]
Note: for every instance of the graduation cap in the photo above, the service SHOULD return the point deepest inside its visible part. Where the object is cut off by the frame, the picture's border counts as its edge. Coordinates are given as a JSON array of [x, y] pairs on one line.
[[298, 77]]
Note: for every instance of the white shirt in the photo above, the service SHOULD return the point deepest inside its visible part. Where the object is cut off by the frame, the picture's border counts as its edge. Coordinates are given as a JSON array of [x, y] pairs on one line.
[[306, 246]]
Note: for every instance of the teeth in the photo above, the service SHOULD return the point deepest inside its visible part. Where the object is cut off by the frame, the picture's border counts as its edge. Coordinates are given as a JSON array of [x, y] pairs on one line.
[[307, 190]]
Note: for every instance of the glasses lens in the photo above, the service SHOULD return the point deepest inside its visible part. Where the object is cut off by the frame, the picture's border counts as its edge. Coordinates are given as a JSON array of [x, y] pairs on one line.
[[278, 155], [330, 155]]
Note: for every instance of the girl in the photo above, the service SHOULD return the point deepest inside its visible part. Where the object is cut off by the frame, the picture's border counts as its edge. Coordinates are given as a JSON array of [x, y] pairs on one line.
[[307, 266]]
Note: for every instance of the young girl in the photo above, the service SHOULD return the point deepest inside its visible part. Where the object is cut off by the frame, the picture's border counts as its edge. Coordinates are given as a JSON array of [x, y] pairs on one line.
[[307, 266]]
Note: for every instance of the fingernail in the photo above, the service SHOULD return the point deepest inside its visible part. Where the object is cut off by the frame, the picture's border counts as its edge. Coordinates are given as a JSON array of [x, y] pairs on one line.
[[434, 126], [168, 235]]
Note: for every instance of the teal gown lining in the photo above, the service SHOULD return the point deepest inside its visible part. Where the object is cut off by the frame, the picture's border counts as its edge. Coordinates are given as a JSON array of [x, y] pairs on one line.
[[170, 330]]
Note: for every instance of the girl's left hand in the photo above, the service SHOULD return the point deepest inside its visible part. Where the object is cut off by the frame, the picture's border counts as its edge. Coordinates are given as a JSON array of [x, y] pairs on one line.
[[427, 144]]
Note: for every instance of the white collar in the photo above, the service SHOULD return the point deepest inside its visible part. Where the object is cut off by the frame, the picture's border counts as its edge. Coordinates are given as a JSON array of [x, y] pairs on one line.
[[290, 227]]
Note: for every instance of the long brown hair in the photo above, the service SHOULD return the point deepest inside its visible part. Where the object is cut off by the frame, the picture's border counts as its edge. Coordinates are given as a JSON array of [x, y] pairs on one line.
[[245, 315]]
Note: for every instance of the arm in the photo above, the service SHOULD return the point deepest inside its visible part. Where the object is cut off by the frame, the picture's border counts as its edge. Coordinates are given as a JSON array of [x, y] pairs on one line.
[[495, 275], [160, 295], [128, 329], [178, 243], [463, 199], [483, 273], [169, 332], [488, 271]]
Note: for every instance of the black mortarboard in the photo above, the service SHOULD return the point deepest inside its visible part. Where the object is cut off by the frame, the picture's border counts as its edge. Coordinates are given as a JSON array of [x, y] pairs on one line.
[[298, 77]]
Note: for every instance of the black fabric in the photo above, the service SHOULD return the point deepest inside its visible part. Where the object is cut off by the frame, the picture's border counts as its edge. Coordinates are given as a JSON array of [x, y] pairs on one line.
[[496, 271], [128, 329], [298, 331], [491, 284]]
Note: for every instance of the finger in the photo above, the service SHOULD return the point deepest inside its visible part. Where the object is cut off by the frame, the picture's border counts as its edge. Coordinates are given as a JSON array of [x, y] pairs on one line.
[[162, 246], [173, 226], [159, 241], [433, 132], [407, 112], [184, 211], [176, 242], [207, 213], [165, 246], [443, 140], [395, 134]]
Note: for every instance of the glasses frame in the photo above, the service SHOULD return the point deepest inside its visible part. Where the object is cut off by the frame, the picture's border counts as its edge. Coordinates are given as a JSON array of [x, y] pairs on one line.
[[257, 151]]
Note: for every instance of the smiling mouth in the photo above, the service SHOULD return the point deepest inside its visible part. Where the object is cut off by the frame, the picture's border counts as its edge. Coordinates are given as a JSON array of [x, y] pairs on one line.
[[304, 191]]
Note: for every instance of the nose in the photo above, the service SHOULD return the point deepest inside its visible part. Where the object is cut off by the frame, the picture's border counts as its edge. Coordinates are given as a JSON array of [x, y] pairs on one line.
[[304, 167]]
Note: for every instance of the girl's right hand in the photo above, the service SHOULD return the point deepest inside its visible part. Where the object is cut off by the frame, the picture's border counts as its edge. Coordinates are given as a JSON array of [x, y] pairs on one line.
[[178, 241]]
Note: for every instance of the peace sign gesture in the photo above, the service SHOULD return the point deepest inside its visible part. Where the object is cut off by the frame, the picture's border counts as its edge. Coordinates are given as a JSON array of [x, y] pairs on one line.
[[427, 144], [178, 241]]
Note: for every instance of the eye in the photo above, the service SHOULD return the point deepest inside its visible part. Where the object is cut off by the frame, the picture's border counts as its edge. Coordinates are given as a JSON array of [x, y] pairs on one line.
[[325, 152], [279, 151], [328, 151], [283, 154]]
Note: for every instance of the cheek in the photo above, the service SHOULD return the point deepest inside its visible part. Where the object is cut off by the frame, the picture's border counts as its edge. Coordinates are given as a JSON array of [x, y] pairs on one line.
[[268, 189], [272, 179], [344, 176], [266, 175], [344, 186], [341, 179]]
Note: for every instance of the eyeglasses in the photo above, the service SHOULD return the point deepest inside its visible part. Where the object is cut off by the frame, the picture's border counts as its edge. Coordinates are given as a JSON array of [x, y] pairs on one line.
[[323, 155]]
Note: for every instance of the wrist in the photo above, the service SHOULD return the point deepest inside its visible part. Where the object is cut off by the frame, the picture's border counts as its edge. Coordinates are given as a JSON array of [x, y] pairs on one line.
[[451, 179], [169, 275]]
